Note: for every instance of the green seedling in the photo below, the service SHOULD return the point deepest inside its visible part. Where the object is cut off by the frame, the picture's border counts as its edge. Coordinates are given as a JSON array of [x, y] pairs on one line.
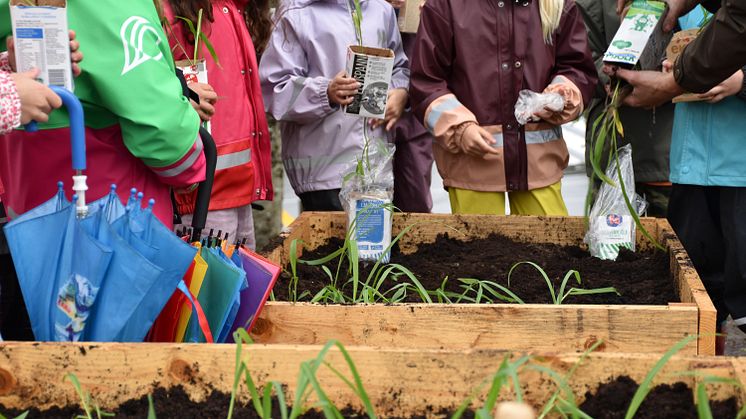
[[647, 384], [151, 407], [559, 297], [199, 38], [21, 416], [607, 128]]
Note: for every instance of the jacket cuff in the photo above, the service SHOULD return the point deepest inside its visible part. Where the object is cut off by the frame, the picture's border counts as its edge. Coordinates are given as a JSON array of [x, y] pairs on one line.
[[443, 116], [399, 83], [322, 95], [573, 100], [10, 104], [187, 171]]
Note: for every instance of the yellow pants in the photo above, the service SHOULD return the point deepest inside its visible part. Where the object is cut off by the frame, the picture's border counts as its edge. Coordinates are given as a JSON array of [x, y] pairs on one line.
[[542, 201]]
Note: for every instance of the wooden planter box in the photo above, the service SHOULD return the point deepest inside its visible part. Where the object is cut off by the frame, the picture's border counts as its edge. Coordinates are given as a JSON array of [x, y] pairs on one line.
[[540, 327], [31, 374]]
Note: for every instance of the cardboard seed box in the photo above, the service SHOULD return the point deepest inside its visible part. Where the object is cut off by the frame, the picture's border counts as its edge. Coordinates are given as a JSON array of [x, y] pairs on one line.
[[409, 16], [640, 38], [372, 68], [195, 73], [675, 48], [41, 40]]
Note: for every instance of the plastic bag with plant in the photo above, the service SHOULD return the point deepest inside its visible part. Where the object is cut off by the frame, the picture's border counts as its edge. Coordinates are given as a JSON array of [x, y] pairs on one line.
[[367, 191], [529, 103], [611, 224]]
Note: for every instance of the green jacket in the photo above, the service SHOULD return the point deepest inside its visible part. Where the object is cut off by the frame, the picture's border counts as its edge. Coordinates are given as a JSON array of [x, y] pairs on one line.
[[649, 131], [141, 131]]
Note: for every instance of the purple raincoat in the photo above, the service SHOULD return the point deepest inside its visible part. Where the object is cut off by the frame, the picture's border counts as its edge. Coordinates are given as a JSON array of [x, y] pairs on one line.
[[307, 49]]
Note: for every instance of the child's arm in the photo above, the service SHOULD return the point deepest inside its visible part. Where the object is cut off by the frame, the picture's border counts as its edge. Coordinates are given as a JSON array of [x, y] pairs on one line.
[[289, 95], [443, 115], [575, 76], [398, 94]]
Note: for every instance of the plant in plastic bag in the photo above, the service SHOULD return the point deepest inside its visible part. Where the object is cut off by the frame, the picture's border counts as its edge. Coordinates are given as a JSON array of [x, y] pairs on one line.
[[606, 129], [366, 194], [611, 221], [530, 102]]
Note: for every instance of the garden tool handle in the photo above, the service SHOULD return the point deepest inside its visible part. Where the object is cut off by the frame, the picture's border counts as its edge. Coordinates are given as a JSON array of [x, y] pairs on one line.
[[77, 125], [204, 191]]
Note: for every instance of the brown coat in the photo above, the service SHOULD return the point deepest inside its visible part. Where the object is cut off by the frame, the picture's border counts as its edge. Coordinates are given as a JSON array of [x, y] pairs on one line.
[[485, 52], [717, 53]]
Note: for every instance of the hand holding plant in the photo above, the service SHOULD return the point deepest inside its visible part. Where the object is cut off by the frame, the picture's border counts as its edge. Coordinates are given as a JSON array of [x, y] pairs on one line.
[[207, 98], [397, 101], [342, 89]]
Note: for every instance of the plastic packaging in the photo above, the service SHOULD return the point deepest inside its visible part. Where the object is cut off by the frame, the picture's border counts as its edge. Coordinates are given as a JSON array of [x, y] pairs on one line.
[[611, 226], [530, 103], [367, 191]]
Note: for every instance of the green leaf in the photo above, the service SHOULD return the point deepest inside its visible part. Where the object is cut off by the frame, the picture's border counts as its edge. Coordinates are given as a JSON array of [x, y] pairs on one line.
[[703, 402], [151, 407], [647, 383], [543, 275], [84, 396]]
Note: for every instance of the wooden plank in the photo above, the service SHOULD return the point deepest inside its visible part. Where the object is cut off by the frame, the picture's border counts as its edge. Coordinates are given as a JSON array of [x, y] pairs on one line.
[[399, 382], [314, 229], [691, 288], [541, 327]]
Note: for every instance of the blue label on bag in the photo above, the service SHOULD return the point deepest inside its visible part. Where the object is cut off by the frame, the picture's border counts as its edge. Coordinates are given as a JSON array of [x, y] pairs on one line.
[[370, 220]]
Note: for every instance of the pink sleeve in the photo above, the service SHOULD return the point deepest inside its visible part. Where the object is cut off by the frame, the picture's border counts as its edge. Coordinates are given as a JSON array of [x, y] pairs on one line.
[[573, 100], [10, 103], [186, 172]]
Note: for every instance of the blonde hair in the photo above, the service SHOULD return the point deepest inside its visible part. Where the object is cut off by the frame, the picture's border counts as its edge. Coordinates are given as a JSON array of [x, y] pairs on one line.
[[551, 13]]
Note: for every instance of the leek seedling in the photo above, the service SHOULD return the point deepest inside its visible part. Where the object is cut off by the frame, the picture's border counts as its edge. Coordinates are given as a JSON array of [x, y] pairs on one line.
[[151, 407], [559, 298], [199, 39], [608, 127], [85, 397], [21, 416], [308, 378], [647, 384]]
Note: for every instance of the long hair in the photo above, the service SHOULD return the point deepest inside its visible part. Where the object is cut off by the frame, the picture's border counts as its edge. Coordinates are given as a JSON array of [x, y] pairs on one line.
[[551, 14], [189, 9], [259, 22]]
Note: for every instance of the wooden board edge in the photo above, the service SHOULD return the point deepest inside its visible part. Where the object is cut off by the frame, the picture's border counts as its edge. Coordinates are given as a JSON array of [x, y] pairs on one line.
[[691, 288]]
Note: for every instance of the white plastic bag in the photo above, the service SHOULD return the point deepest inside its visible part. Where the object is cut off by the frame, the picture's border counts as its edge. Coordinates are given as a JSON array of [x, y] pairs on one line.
[[367, 191], [611, 226], [530, 103]]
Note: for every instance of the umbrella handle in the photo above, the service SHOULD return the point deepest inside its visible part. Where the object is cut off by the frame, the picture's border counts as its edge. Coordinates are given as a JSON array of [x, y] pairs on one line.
[[202, 204], [77, 125]]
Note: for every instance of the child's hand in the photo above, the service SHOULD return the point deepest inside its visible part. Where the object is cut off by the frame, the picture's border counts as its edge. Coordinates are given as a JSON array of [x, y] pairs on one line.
[[477, 142], [342, 89], [729, 87], [395, 105], [207, 98]]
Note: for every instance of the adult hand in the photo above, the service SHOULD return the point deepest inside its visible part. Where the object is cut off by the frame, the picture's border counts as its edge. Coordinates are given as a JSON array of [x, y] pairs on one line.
[[395, 105], [650, 88], [397, 4], [729, 87], [207, 98], [477, 142], [75, 55], [342, 89], [37, 100]]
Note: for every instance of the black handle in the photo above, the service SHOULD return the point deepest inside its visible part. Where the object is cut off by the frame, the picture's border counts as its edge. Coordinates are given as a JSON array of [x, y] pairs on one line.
[[202, 204]]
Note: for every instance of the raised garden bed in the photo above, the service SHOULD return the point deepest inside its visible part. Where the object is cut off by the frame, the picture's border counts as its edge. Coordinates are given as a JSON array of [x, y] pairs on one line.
[[400, 382], [623, 326]]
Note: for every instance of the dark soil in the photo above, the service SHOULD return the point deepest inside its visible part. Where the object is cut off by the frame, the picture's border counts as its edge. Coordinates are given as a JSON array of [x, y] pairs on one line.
[[175, 403], [640, 278], [676, 401]]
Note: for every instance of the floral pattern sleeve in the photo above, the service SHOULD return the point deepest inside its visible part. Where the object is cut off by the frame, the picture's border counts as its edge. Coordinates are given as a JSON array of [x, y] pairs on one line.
[[10, 104]]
